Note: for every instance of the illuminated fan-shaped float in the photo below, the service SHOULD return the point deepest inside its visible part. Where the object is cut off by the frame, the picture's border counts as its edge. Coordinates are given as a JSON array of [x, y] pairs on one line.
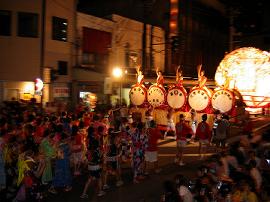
[[248, 71], [156, 94], [199, 97], [177, 94]]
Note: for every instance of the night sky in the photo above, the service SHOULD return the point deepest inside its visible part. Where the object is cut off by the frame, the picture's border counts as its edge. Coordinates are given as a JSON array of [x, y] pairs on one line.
[[251, 16], [155, 12]]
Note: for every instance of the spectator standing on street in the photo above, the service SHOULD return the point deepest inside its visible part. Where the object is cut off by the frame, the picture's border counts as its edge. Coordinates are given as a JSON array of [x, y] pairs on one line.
[[194, 122], [222, 131], [203, 134], [183, 130]]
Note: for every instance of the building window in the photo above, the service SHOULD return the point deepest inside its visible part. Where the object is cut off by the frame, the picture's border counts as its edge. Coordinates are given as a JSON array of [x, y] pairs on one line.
[[62, 67], [27, 24], [5, 23], [59, 29], [88, 58]]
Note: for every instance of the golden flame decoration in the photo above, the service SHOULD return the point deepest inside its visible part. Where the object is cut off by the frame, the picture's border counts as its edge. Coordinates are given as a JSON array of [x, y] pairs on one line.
[[247, 70]]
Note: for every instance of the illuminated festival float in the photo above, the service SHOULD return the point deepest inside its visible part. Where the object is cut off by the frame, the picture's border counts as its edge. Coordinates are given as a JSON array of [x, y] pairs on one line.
[[242, 83], [246, 70]]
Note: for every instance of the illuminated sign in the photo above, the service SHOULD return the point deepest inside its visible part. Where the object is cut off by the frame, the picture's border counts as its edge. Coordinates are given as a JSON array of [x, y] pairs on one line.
[[38, 85]]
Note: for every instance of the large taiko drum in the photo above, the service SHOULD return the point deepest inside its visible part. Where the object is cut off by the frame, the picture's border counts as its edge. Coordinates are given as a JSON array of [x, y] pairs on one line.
[[176, 97], [156, 95], [138, 95], [199, 98], [223, 100]]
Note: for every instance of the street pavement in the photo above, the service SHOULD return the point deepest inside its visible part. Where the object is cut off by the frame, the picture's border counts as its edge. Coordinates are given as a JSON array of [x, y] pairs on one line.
[[150, 189]]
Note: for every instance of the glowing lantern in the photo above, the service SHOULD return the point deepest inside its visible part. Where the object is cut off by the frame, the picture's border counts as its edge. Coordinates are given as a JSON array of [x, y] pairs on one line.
[[38, 85], [247, 70]]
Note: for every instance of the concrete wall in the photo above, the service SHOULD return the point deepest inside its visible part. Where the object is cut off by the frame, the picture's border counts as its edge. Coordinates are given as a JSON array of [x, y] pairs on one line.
[[20, 56], [58, 50], [131, 31]]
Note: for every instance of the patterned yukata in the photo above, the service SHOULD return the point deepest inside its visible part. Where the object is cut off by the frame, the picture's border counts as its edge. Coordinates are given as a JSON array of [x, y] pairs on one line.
[[62, 176], [94, 160], [49, 153], [2, 165], [139, 144]]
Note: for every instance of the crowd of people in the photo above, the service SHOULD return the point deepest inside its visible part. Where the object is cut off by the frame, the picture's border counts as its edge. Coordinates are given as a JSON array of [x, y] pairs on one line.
[[43, 152], [237, 172]]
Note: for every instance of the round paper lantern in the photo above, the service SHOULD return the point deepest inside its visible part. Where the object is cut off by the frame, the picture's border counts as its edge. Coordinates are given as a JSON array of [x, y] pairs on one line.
[[248, 71]]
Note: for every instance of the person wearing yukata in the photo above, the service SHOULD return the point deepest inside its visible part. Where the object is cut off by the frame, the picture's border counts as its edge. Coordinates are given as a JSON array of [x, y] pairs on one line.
[[183, 130], [193, 123], [170, 131], [112, 161], [94, 158], [47, 150], [62, 172], [138, 145], [2, 164], [203, 134], [151, 153], [77, 148]]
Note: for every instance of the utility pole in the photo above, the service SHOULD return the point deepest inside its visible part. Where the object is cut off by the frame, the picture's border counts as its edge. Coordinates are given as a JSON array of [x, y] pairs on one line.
[[147, 10], [42, 44]]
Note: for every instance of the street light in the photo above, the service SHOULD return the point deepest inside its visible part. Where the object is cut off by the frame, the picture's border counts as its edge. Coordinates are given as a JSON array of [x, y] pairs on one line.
[[118, 73]]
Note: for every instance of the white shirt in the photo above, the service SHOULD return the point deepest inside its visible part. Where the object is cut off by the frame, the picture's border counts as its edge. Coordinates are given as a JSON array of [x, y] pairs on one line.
[[185, 194]]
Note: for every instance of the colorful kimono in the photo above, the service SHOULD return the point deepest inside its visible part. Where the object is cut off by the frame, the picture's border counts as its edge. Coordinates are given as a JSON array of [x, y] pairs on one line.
[[62, 176], [2, 165], [49, 153], [138, 148]]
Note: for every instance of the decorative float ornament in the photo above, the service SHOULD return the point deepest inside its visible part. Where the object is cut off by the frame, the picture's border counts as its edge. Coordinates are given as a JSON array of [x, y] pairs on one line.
[[138, 92], [223, 100], [248, 71], [176, 97], [156, 94], [199, 97], [177, 94], [138, 95]]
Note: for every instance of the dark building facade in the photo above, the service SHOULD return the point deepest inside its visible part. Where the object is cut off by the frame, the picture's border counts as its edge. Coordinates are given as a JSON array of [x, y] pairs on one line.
[[203, 30], [202, 38]]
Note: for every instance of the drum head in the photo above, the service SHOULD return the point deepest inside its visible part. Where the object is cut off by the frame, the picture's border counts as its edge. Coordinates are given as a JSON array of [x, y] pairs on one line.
[[198, 99], [176, 98], [156, 96], [137, 95], [223, 100]]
